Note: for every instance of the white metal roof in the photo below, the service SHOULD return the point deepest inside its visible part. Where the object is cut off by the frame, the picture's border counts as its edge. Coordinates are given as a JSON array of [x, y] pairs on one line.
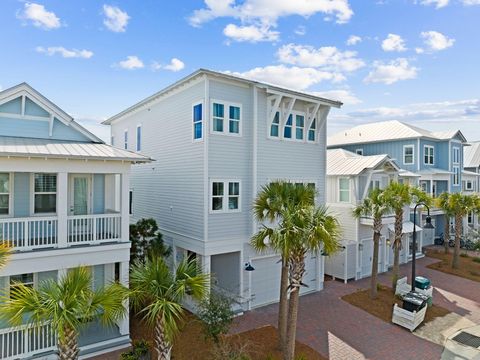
[[470, 173], [343, 162], [435, 171], [406, 173], [407, 227], [385, 130], [471, 155], [46, 148]]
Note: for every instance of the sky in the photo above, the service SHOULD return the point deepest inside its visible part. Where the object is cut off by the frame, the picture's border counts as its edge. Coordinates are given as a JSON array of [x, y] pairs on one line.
[[415, 61]]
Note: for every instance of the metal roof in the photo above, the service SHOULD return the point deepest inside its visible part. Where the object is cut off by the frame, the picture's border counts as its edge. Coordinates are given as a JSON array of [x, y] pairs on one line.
[[343, 162], [471, 173], [434, 171], [407, 227], [406, 173], [471, 155], [386, 130], [46, 148]]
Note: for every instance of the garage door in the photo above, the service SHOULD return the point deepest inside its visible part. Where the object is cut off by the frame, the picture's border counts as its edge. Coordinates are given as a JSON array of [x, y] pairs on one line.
[[266, 279]]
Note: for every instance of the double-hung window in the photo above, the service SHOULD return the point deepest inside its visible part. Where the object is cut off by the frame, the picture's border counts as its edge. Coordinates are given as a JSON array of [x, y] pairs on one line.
[[456, 175], [470, 218], [456, 155], [225, 196], [4, 194], [45, 193], [234, 119], [344, 189], [312, 130], [428, 155], [197, 122], [274, 128], [139, 137], [218, 117], [125, 139], [287, 130], [226, 118], [408, 155], [299, 126], [27, 280]]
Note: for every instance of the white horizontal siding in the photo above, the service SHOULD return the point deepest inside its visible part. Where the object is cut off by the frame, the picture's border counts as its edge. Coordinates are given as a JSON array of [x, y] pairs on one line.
[[347, 222]]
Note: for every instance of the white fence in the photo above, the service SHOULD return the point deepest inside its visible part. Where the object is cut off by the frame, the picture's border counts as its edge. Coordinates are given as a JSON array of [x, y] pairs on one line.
[[29, 233], [24, 341], [88, 229]]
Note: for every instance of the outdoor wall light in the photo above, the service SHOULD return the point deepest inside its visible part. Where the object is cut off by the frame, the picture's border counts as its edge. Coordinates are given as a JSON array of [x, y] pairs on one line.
[[249, 267]]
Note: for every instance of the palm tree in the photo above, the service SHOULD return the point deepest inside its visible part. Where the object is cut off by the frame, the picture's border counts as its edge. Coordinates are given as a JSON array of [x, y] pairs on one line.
[[272, 202], [374, 205], [157, 293], [4, 253], [68, 305], [443, 202]]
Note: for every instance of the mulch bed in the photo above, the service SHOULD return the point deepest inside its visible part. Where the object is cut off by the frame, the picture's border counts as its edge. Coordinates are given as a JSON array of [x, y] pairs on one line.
[[468, 268], [190, 344], [382, 306]]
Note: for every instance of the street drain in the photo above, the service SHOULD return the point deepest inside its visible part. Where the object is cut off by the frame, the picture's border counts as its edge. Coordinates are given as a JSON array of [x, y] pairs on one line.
[[468, 339]]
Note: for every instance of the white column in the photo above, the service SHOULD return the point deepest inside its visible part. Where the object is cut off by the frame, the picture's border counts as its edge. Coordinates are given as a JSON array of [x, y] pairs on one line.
[[206, 266], [61, 273], [124, 324], [125, 211], [62, 208]]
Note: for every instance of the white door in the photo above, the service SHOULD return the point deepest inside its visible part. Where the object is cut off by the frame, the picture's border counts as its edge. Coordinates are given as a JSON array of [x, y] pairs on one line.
[[80, 195], [311, 274], [367, 257]]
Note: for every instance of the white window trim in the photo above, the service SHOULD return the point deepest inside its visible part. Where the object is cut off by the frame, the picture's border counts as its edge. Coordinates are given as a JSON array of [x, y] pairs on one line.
[[425, 153], [413, 154], [192, 123], [454, 175], [359, 151], [294, 128], [125, 139], [340, 190], [269, 132], [35, 282], [71, 191], [32, 195], [470, 188], [315, 131], [456, 150], [10, 195], [226, 118], [137, 143], [225, 208], [470, 216]]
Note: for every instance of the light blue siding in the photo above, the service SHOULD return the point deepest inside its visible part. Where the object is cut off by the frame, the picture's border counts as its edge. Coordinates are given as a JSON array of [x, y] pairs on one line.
[[12, 107], [442, 155], [33, 109], [21, 195], [98, 194]]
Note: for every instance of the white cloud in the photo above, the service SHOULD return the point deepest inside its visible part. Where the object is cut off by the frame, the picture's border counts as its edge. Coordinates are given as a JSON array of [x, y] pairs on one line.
[[436, 41], [131, 63], [391, 72], [115, 19], [250, 33], [66, 53], [291, 77], [471, 2], [353, 40], [327, 58], [175, 65], [345, 96], [393, 42], [438, 3], [419, 50], [39, 16], [301, 30]]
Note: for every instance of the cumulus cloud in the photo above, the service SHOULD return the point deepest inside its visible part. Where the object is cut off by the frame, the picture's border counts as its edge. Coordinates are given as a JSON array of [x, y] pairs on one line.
[[328, 57], [250, 33], [174, 65], [301, 30], [293, 77], [115, 19], [353, 40], [130, 63], [39, 16], [436, 41], [66, 53], [471, 2], [345, 96], [437, 3], [393, 42], [391, 72]]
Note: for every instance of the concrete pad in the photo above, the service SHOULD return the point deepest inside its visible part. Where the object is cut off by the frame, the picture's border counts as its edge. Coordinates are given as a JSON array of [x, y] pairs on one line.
[[456, 351], [440, 329]]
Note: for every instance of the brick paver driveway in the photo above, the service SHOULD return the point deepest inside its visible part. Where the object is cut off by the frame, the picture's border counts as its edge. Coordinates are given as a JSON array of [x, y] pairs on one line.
[[339, 330]]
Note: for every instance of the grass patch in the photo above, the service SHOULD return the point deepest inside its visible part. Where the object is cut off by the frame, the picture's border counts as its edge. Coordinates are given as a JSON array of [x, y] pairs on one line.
[[469, 267], [382, 306]]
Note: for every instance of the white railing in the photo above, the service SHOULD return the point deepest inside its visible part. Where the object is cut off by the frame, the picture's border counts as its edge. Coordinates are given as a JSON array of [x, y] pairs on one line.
[[26, 340], [29, 233], [90, 229]]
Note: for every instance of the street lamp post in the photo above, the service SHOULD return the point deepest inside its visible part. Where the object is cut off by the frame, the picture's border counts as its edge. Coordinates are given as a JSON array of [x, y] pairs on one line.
[[428, 225]]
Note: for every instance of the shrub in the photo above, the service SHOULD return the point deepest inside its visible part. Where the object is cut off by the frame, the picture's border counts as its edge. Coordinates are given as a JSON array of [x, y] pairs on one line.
[[216, 315], [140, 351], [147, 241], [225, 350], [477, 260]]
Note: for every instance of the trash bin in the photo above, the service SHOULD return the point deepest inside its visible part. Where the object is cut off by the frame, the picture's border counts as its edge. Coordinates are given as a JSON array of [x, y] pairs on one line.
[[414, 301], [422, 282]]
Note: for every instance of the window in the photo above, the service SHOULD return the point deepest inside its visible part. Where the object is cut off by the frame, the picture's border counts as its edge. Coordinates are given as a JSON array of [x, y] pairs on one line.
[[218, 117], [424, 186], [428, 155], [139, 137], [344, 189], [225, 196], [25, 279], [221, 112], [468, 185], [130, 202], [312, 130], [456, 175], [234, 120], [374, 184], [275, 125], [299, 126], [408, 156], [4, 193], [470, 218], [125, 139], [45, 193], [287, 131], [456, 155], [359, 151], [197, 121]]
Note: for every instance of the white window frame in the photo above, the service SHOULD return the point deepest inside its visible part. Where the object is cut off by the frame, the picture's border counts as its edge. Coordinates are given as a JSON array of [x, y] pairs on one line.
[[470, 218], [226, 118], [225, 196], [10, 195], [125, 139], [202, 122], [33, 193], [303, 139], [467, 187], [138, 138], [273, 123], [456, 175], [427, 156], [294, 128], [413, 154], [456, 155], [314, 123], [340, 190], [34, 283], [359, 151]]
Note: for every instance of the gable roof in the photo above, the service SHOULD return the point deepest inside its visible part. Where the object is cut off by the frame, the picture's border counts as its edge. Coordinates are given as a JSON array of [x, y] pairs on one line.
[[217, 74], [24, 89], [387, 130], [471, 155], [343, 162]]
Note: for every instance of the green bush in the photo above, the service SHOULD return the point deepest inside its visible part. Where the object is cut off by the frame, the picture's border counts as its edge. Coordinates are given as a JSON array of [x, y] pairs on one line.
[[216, 315], [147, 241], [140, 351], [477, 260]]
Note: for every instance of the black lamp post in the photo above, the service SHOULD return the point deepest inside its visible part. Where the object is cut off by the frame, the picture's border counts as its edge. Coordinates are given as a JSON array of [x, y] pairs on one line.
[[428, 225]]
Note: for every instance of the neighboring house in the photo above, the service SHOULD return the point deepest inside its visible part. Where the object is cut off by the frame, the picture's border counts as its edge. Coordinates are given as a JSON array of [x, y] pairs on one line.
[[471, 177], [64, 202], [217, 139], [437, 157], [350, 178]]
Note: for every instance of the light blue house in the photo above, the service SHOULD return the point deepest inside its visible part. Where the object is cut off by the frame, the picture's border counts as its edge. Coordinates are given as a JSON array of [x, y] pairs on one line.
[[64, 202], [434, 159]]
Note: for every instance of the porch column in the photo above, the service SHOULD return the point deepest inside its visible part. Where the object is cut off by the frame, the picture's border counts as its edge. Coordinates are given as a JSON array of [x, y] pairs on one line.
[[206, 266], [124, 324], [62, 209], [125, 202]]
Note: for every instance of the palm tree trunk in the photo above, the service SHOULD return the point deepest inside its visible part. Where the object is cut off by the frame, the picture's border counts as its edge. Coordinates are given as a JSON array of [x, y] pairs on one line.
[[446, 233], [456, 249], [283, 307], [397, 245], [373, 279], [162, 345], [68, 346]]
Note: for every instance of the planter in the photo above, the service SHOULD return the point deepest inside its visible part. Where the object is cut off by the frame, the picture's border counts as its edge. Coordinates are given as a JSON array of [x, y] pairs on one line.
[[408, 319]]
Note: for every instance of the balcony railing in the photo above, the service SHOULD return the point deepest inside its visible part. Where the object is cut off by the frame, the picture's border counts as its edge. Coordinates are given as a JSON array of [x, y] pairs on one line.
[[24, 341], [29, 233], [90, 229]]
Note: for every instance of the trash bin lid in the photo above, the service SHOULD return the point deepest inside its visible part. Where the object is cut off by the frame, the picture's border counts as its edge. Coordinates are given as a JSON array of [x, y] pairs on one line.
[[418, 295], [413, 300]]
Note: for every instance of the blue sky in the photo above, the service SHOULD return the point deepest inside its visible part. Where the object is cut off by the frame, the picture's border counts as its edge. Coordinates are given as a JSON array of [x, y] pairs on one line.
[[412, 60]]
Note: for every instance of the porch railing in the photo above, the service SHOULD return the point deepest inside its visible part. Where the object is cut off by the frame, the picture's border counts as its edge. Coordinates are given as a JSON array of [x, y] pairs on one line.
[[89, 229], [29, 233], [24, 341]]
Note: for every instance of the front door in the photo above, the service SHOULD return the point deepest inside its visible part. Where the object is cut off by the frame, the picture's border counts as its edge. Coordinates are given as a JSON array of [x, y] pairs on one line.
[[366, 257], [80, 195]]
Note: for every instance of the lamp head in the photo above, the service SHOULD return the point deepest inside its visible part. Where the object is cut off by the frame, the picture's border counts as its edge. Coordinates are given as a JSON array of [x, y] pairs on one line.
[[428, 223], [249, 267]]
